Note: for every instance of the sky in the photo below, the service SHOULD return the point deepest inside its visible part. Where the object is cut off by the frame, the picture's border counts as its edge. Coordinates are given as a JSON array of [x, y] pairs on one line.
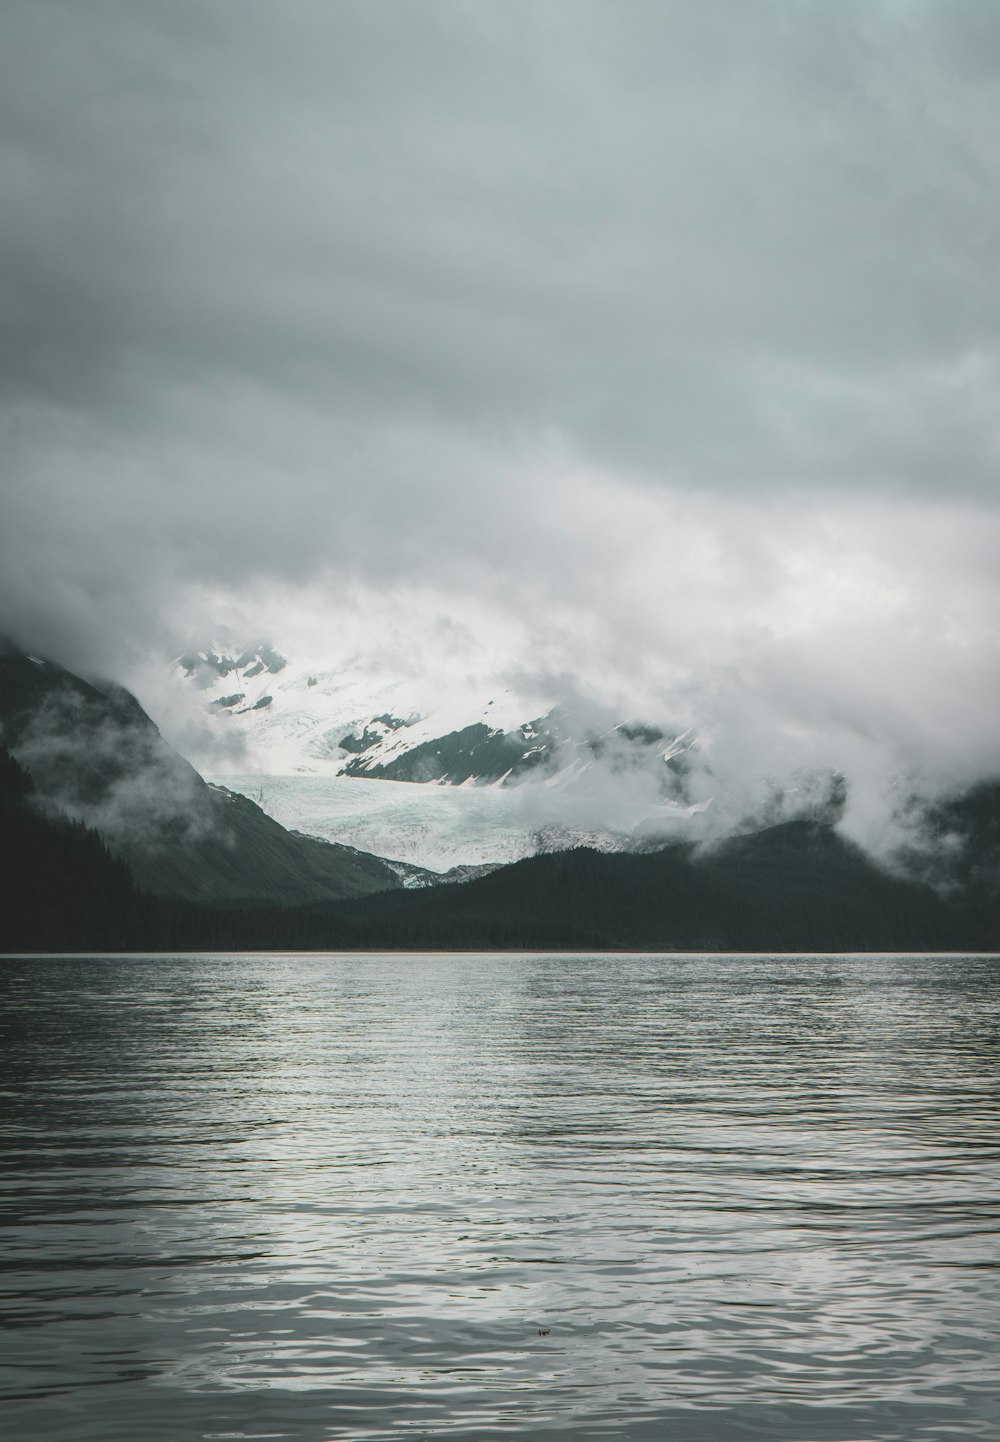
[[650, 350]]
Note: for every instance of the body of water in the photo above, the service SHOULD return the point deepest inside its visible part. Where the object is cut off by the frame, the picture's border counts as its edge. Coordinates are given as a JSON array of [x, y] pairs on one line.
[[366, 1197]]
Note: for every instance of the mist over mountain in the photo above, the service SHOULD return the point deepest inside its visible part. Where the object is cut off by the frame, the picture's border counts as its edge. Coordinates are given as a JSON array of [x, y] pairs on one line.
[[794, 886], [533, 774], [111, 840]]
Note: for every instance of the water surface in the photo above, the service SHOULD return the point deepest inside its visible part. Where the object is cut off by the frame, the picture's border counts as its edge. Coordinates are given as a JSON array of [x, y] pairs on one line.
[[372, 1197]]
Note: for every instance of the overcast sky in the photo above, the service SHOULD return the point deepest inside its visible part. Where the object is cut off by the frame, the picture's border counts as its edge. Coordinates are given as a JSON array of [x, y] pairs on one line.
[[657, 344]]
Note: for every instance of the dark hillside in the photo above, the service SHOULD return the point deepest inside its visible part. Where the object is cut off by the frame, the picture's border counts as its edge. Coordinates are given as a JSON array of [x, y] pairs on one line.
[[60, 888], [794, 887], [95, 756]]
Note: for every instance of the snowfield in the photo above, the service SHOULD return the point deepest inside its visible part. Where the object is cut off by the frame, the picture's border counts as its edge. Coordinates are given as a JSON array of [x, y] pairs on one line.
[[295, 715]]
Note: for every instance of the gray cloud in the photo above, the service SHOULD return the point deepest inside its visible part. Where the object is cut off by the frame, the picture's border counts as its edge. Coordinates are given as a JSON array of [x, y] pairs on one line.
[[669, 331], [720, 243]]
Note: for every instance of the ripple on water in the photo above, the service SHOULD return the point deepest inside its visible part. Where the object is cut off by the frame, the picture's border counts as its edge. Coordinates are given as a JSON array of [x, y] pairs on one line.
[[368, 1197]]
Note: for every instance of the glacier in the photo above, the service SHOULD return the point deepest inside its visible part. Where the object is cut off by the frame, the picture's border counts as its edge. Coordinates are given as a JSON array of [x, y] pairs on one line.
[[441, 827]]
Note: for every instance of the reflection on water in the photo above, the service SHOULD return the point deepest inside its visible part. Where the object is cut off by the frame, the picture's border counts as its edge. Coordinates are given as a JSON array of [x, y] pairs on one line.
[[680, 1198]]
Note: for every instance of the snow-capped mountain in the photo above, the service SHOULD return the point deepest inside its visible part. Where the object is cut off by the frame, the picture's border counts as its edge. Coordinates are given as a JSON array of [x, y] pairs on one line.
[[310, 720], [295, 717], [346, 753]]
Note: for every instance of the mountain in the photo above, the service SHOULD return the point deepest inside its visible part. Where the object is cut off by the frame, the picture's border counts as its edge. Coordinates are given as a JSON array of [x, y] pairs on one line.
[[109, 839], [485, 779], [353, 720], [95, 756], [797, 886], [86, 753], [301, 716], [479, 777], [955, 840]]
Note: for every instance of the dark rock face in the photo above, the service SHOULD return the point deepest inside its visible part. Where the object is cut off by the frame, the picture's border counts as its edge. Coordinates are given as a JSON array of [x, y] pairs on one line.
[[488, 755], [205, 667], [476, 752], [373, 734]]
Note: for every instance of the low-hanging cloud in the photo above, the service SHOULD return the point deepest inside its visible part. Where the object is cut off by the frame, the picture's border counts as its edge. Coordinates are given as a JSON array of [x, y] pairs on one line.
[[657, 345], [113, 774]]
